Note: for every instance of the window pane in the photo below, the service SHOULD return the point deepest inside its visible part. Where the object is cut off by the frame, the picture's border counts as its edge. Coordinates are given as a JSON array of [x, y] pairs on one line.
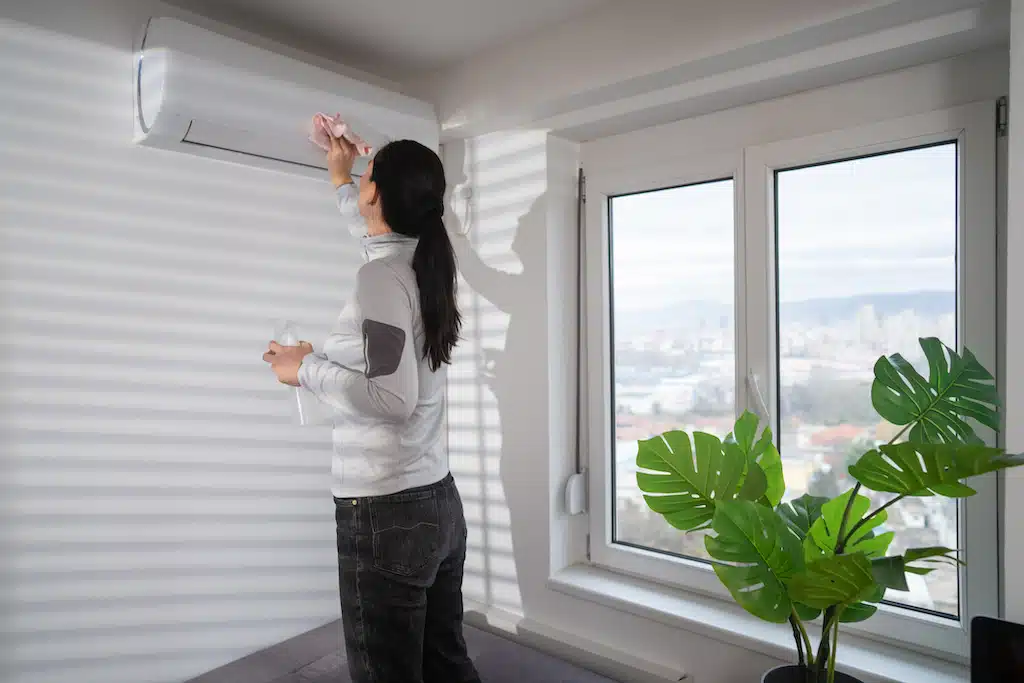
[[674, 364], [867, 264]]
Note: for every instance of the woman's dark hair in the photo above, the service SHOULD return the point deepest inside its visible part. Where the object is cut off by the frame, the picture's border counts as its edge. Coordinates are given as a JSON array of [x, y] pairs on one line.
[[411, 186]]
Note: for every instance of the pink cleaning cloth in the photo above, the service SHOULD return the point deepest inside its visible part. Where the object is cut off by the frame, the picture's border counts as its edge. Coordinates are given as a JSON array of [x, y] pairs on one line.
[[322, 123]]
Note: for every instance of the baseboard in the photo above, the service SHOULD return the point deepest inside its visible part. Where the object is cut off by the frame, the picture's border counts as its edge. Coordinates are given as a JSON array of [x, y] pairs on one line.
[[494, 619], [597, 657]]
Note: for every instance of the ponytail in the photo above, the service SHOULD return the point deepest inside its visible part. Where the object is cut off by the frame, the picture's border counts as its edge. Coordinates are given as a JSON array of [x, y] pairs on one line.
[[409, 179], [434, 265]]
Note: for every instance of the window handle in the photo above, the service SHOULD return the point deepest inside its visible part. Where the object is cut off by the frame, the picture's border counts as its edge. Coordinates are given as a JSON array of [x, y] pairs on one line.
[[755, 389]]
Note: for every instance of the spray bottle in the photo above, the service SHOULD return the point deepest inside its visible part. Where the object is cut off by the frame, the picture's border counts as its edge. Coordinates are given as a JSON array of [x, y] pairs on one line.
[[300, 399]]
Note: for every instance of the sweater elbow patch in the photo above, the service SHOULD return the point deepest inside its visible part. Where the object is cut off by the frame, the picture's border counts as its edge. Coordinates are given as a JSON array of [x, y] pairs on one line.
[[384, 346]]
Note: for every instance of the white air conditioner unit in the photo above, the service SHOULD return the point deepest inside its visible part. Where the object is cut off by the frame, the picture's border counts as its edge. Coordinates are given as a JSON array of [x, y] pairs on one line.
[[205, 94]]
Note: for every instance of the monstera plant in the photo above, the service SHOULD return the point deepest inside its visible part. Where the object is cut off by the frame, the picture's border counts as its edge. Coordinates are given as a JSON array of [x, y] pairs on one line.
[[811, 557]]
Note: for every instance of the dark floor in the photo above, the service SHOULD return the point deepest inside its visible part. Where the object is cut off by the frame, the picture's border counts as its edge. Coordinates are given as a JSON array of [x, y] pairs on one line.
[[315, 657]]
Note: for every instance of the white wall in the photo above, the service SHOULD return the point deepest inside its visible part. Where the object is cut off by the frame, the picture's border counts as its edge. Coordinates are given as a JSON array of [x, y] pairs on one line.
[[159, 516], [1014, 370], [516, 260]]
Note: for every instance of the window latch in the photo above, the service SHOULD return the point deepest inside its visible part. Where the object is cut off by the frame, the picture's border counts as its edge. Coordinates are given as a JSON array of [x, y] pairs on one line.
[[755, 389]]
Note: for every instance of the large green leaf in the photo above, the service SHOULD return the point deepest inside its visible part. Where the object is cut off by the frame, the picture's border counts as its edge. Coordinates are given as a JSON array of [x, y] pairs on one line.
[[754, 484], [933, 557], [755, 554], [839, 580], [858, 611], [916, 469], [800, 515], [891, 572], [766, 455], [802, 512], [686, 480], [958, 388], [824, 532], [761, 451], [745, 430], [861, 611]]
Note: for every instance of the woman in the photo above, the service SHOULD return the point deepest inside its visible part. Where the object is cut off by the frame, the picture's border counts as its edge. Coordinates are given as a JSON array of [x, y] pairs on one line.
[[401, 529]]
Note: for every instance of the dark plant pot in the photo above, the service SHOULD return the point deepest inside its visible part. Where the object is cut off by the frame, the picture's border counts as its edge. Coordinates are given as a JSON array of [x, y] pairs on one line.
[[797, 674]]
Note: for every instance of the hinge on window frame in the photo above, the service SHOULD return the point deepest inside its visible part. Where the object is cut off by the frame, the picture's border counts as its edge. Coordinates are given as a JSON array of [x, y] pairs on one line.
[[588, 547], [583, 186], [1002, 116]]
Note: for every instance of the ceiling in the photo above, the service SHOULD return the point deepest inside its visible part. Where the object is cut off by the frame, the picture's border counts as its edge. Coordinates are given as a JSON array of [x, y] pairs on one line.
[[392, 38]]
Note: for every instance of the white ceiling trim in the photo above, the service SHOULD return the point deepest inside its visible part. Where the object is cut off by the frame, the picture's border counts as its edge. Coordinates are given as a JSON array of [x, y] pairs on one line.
[[778, 71], [811, 58]]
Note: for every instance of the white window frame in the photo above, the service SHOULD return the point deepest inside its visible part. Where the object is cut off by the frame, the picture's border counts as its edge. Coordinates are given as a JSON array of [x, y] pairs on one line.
[[602, 185], [753, 170]]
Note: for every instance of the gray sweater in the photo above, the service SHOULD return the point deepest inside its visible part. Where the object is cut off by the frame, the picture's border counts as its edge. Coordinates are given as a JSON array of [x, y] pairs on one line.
[[388, 405]]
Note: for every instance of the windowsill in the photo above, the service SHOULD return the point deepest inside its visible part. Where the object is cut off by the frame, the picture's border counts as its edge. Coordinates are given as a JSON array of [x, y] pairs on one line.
[[866, 659]]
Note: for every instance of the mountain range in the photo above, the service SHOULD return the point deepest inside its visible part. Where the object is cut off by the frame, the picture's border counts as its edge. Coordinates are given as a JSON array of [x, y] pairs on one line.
[[824, 311]]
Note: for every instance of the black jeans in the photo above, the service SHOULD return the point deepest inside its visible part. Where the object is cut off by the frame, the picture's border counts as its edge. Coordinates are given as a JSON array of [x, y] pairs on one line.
[[400, 563]]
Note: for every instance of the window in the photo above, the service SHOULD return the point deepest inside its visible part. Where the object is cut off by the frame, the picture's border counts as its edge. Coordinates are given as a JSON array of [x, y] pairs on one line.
[[769, 279], [673, 332], [866, 265]]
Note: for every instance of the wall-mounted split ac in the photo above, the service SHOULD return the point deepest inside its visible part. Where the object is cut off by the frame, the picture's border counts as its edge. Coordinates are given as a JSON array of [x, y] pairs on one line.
[[205, 94]]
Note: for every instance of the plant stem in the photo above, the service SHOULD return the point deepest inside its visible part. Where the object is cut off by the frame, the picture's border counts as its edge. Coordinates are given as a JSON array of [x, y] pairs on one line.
[[832, 655], [840, 538], [899, 434], [799, 642], [822, 658], [807, 641], [803, 640]]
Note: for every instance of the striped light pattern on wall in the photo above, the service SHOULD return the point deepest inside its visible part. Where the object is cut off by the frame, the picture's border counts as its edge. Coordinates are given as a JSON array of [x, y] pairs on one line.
[[161, 515]]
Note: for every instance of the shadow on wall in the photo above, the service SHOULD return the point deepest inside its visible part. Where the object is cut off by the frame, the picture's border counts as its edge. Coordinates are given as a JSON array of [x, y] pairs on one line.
[[498, 236]]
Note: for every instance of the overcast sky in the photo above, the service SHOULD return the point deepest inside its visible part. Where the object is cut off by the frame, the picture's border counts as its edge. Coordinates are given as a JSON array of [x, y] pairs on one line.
[[875, 225]]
